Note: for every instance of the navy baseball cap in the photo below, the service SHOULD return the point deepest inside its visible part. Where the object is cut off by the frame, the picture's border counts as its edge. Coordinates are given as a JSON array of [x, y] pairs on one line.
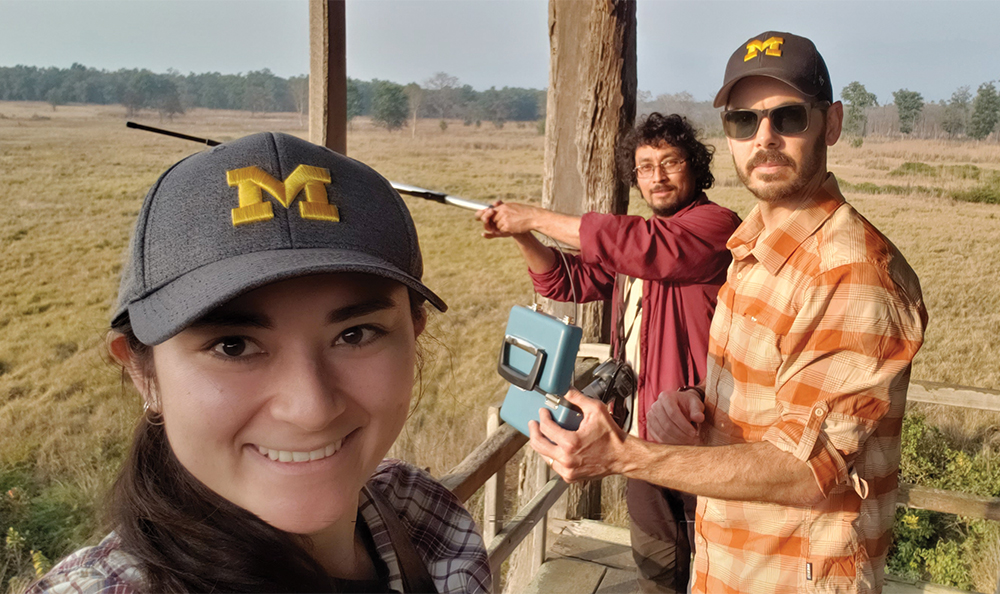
[[253, 211], [789, 58]]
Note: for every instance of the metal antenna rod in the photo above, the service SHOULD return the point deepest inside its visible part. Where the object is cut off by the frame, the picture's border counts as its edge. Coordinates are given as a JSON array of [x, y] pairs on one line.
[[174, 134], [401, 188]]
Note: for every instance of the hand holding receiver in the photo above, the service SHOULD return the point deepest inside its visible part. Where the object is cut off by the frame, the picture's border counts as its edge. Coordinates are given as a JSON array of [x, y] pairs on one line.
[[595, 449]]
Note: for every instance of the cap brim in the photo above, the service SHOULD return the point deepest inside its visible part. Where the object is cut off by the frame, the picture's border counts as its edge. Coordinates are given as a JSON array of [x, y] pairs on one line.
[[722, 97], [172, 307]]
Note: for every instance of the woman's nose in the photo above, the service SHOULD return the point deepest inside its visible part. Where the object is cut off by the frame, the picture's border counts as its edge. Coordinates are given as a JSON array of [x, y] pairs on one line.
[[306, 394]]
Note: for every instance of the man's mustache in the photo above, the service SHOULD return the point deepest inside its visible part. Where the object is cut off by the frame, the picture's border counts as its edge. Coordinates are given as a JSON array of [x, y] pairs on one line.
[[773, 156], [660, 188]]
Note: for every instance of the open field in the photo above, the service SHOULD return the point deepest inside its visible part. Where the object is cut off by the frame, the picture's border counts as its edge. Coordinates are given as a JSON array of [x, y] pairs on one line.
[[72, 181]]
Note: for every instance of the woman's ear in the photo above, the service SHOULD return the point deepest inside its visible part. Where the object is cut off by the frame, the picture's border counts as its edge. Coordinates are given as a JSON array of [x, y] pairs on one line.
[[420, 323], [122, 353]]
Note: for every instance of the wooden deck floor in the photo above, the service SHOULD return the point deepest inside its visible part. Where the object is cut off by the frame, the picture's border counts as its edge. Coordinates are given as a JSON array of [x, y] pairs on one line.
[[592, 557]]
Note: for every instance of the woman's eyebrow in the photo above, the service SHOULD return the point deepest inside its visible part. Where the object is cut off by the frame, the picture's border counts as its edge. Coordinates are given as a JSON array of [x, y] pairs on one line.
[[342, 314], [233, 318]]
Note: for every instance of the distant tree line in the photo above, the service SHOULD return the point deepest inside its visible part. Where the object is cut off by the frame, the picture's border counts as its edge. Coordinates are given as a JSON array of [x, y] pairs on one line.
[[171, 93], [965, 115], [443, 97]]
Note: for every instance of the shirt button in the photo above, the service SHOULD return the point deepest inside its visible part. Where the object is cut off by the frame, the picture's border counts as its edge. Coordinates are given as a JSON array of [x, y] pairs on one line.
[[819, 412], [700, 540], [739, 275]]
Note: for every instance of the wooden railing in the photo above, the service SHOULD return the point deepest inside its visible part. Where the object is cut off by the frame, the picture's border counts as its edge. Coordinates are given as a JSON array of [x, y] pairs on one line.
[[484, 467]]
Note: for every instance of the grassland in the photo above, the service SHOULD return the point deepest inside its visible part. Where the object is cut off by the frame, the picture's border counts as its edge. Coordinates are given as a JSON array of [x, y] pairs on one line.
[[72, 180]]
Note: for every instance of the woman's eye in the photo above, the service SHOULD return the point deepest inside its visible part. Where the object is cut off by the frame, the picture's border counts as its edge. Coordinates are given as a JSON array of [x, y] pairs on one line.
[[358, 335], [234, 346]]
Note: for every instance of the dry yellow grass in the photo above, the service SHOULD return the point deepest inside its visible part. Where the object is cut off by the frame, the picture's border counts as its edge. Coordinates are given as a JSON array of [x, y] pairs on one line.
[[71, 182]]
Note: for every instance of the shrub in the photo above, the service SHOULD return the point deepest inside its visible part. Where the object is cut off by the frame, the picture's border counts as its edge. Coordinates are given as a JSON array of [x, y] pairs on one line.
[[910, 168], [933, 546], [988, 193]]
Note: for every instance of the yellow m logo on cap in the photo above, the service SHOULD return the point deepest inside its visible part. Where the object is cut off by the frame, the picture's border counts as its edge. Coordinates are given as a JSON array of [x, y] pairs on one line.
[[771, 47], [251, 180]]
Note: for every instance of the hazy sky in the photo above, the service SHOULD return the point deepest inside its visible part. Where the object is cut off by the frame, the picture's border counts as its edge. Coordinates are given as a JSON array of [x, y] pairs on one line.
[[928, 46]]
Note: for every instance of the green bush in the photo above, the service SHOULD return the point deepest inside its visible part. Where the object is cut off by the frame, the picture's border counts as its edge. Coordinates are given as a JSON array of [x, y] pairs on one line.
[[962, 171], [910, 168], [946, 566], [39, 522], [988, 193], [871, 188], [933, 546]]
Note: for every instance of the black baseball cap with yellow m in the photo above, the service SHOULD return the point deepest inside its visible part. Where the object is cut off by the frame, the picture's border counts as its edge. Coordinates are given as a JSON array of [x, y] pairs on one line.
[[253, 211], [792, 59]]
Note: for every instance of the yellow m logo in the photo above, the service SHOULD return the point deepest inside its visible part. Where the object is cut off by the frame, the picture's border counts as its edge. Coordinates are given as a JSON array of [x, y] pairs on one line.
[[771, 47], [251, 180]]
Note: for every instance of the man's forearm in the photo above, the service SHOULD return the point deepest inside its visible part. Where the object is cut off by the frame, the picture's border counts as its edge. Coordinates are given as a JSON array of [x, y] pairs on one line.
[[560, 227], [742, 472], [538, 257]]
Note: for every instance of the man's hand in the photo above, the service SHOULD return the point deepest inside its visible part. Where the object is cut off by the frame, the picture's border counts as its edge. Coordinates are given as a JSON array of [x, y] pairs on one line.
[[503, 219], [594, 450], [675, 418]]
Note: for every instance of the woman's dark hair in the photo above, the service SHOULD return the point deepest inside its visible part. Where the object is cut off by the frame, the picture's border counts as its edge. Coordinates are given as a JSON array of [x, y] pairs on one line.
[[187, 538], [674, 130]]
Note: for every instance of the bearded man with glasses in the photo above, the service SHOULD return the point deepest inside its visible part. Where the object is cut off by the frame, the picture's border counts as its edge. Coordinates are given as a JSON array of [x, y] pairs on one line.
[[792, 444], [663, 275]]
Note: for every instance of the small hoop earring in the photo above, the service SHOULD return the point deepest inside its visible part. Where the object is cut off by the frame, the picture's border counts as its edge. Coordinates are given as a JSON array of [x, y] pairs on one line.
[[151, 416]]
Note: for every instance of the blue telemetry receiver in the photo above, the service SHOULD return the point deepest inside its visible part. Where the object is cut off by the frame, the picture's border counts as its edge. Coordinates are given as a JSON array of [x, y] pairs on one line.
[[538, 357]]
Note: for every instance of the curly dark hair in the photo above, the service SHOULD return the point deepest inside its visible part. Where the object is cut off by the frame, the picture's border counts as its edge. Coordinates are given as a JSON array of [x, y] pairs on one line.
[[674, 130]]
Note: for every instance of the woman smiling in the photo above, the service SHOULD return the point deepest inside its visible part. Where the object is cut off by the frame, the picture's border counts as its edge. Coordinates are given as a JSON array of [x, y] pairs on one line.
[[274, 345]]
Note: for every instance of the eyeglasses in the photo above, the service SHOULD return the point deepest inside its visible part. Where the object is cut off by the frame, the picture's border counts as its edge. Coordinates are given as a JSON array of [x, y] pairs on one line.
[[667, 165], [742, 124]]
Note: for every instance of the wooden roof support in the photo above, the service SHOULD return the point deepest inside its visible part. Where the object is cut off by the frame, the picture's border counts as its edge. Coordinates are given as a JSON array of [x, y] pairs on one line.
[[328, 74], [591, 104]]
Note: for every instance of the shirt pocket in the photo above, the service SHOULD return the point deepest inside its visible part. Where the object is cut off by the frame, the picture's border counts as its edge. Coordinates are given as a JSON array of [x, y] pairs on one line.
[[756, 354], [836, 561]]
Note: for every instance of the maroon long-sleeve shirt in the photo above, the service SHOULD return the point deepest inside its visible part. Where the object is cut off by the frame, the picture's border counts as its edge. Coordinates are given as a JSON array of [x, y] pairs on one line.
[[682, 261]]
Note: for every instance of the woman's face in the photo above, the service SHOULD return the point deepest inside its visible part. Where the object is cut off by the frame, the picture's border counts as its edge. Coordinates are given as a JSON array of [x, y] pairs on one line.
[[285, 399]]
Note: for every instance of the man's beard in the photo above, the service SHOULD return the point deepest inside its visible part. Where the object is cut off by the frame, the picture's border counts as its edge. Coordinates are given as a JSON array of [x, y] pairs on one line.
[[669, 210], [773, 190]]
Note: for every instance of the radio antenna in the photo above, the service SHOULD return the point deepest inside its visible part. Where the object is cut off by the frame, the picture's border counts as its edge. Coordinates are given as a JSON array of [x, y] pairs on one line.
[[207, 141]]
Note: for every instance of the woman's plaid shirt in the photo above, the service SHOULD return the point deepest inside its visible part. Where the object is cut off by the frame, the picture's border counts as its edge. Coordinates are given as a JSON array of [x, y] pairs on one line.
[[442, 531], [810, 350]]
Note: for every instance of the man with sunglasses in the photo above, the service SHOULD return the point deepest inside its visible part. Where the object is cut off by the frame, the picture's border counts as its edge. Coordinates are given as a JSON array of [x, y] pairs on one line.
[[798, 424], [662, 275]]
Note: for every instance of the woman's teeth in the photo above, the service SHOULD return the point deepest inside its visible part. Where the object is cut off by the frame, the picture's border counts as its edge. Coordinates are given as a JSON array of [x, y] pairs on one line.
[[287, 456]]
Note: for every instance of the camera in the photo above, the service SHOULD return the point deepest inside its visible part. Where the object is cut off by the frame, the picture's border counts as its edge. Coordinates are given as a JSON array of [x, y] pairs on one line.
[[538, 357]]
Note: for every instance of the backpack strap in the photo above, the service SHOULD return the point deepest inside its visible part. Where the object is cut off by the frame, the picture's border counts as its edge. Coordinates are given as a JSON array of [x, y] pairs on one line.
[[416, 579]]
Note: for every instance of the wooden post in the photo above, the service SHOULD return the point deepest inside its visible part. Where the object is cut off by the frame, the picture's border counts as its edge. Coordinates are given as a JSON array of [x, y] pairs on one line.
[[591, 104], [543, 473], [328, 74], [494, 488]]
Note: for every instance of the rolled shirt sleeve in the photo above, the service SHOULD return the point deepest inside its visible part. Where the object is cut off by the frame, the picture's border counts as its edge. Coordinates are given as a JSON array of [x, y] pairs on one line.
[[847, 350]]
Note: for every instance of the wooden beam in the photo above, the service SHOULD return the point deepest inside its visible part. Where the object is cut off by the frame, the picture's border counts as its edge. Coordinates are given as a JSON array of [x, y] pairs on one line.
[[523, 523], [590, 105], [949, 502], [328, 74], [950, 395], [493, 500], [484, 461]]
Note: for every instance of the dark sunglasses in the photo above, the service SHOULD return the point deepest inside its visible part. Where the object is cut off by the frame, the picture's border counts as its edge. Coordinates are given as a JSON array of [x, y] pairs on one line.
[[741, 124]]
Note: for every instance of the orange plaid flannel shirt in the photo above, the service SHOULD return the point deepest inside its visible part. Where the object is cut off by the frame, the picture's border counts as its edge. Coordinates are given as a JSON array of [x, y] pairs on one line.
[[810, 350]]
